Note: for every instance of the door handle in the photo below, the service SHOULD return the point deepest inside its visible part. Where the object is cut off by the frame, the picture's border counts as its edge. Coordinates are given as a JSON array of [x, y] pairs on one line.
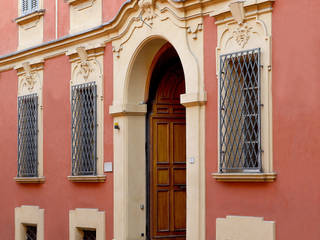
[[182, 186]]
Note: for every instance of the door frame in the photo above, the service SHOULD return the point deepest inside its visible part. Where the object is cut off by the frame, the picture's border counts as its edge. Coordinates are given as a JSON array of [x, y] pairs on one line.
[[131, 68], [151, 94]]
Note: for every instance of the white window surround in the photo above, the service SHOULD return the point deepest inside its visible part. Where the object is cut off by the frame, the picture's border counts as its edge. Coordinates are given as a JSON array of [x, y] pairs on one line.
[[28, 215], [30, 81], [243, 28], [87, 66], [86, 218], [30, 25]]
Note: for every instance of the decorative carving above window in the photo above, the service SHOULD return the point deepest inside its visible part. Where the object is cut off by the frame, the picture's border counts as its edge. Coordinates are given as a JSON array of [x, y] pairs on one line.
[[86, 67], [242, 34], [29, 79]]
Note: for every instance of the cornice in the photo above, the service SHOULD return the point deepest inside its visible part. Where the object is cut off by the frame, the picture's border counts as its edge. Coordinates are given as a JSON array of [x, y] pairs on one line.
[[182, 10]]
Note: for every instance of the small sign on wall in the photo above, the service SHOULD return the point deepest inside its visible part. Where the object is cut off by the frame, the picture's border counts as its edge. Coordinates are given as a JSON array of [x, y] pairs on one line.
[[107, 167]]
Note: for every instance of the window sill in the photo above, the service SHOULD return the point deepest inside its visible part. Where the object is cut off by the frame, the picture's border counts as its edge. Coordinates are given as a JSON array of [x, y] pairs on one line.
[[30, 179], [33, 16], [98, 178], [245, 177]]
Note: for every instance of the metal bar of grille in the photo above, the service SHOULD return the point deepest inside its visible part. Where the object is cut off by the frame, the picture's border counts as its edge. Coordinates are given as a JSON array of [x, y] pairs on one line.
[[240, 112], [34, 5], [25, 6], [84, 129], [31, 233], [28, 136], [89, 235]]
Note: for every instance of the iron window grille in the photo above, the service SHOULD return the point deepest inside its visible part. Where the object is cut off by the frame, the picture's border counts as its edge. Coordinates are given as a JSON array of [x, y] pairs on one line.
[[29, 6], [31, 233], [84, 129], [28, 136], [240, 112], [89, 234]]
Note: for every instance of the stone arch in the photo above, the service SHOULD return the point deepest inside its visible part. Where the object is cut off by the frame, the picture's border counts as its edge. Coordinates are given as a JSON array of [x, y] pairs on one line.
[[134, 53]]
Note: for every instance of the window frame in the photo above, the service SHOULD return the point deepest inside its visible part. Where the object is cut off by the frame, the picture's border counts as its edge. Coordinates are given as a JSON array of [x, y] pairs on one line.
[[78, 125], [87, 67], [30, 81], [28, 216], [239, 31], [25, 159], [86, 219]]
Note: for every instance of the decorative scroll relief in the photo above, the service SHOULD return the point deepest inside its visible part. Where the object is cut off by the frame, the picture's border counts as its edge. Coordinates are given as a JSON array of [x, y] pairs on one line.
[[153, 16], [147, 11], [242, 34], [86, 68], [235, 37], [29, 80], [194, 31], [88, 71], [244, 228]]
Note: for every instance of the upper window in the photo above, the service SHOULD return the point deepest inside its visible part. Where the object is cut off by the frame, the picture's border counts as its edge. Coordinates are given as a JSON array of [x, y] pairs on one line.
[[84, 129], [28, 136], [29, 6], [240, 112]]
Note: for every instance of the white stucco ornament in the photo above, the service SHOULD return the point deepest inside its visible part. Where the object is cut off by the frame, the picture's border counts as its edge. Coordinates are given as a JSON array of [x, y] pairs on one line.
[[29, 79], [147, 11], [145, 4], [85, 67], [242, 34]]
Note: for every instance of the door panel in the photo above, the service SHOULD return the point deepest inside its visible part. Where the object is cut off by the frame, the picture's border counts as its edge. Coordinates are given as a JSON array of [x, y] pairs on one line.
[[168, 185], [163, 210], [167, 151], [179, 199], [162, 142], [179, 142]]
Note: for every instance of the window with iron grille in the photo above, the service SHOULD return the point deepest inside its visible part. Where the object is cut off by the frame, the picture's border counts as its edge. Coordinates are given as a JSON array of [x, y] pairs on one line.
[[240, 113], [29, 6], [31, 233], [28, 136], [89, 234], [84, 129]]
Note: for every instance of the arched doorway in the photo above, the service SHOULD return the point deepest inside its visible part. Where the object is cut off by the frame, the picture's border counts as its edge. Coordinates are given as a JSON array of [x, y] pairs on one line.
[[166, 151]]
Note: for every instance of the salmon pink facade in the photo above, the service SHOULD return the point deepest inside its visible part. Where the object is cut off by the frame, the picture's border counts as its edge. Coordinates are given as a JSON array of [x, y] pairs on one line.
[[93, 131]]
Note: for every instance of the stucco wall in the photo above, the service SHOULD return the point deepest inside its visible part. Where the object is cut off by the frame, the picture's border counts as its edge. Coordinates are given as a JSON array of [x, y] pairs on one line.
[[292, 201], [9, 29], [57, 195], [110, 8]]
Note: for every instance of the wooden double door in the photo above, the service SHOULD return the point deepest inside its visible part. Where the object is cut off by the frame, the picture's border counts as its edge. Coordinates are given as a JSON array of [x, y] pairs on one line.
[[167, 158]]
